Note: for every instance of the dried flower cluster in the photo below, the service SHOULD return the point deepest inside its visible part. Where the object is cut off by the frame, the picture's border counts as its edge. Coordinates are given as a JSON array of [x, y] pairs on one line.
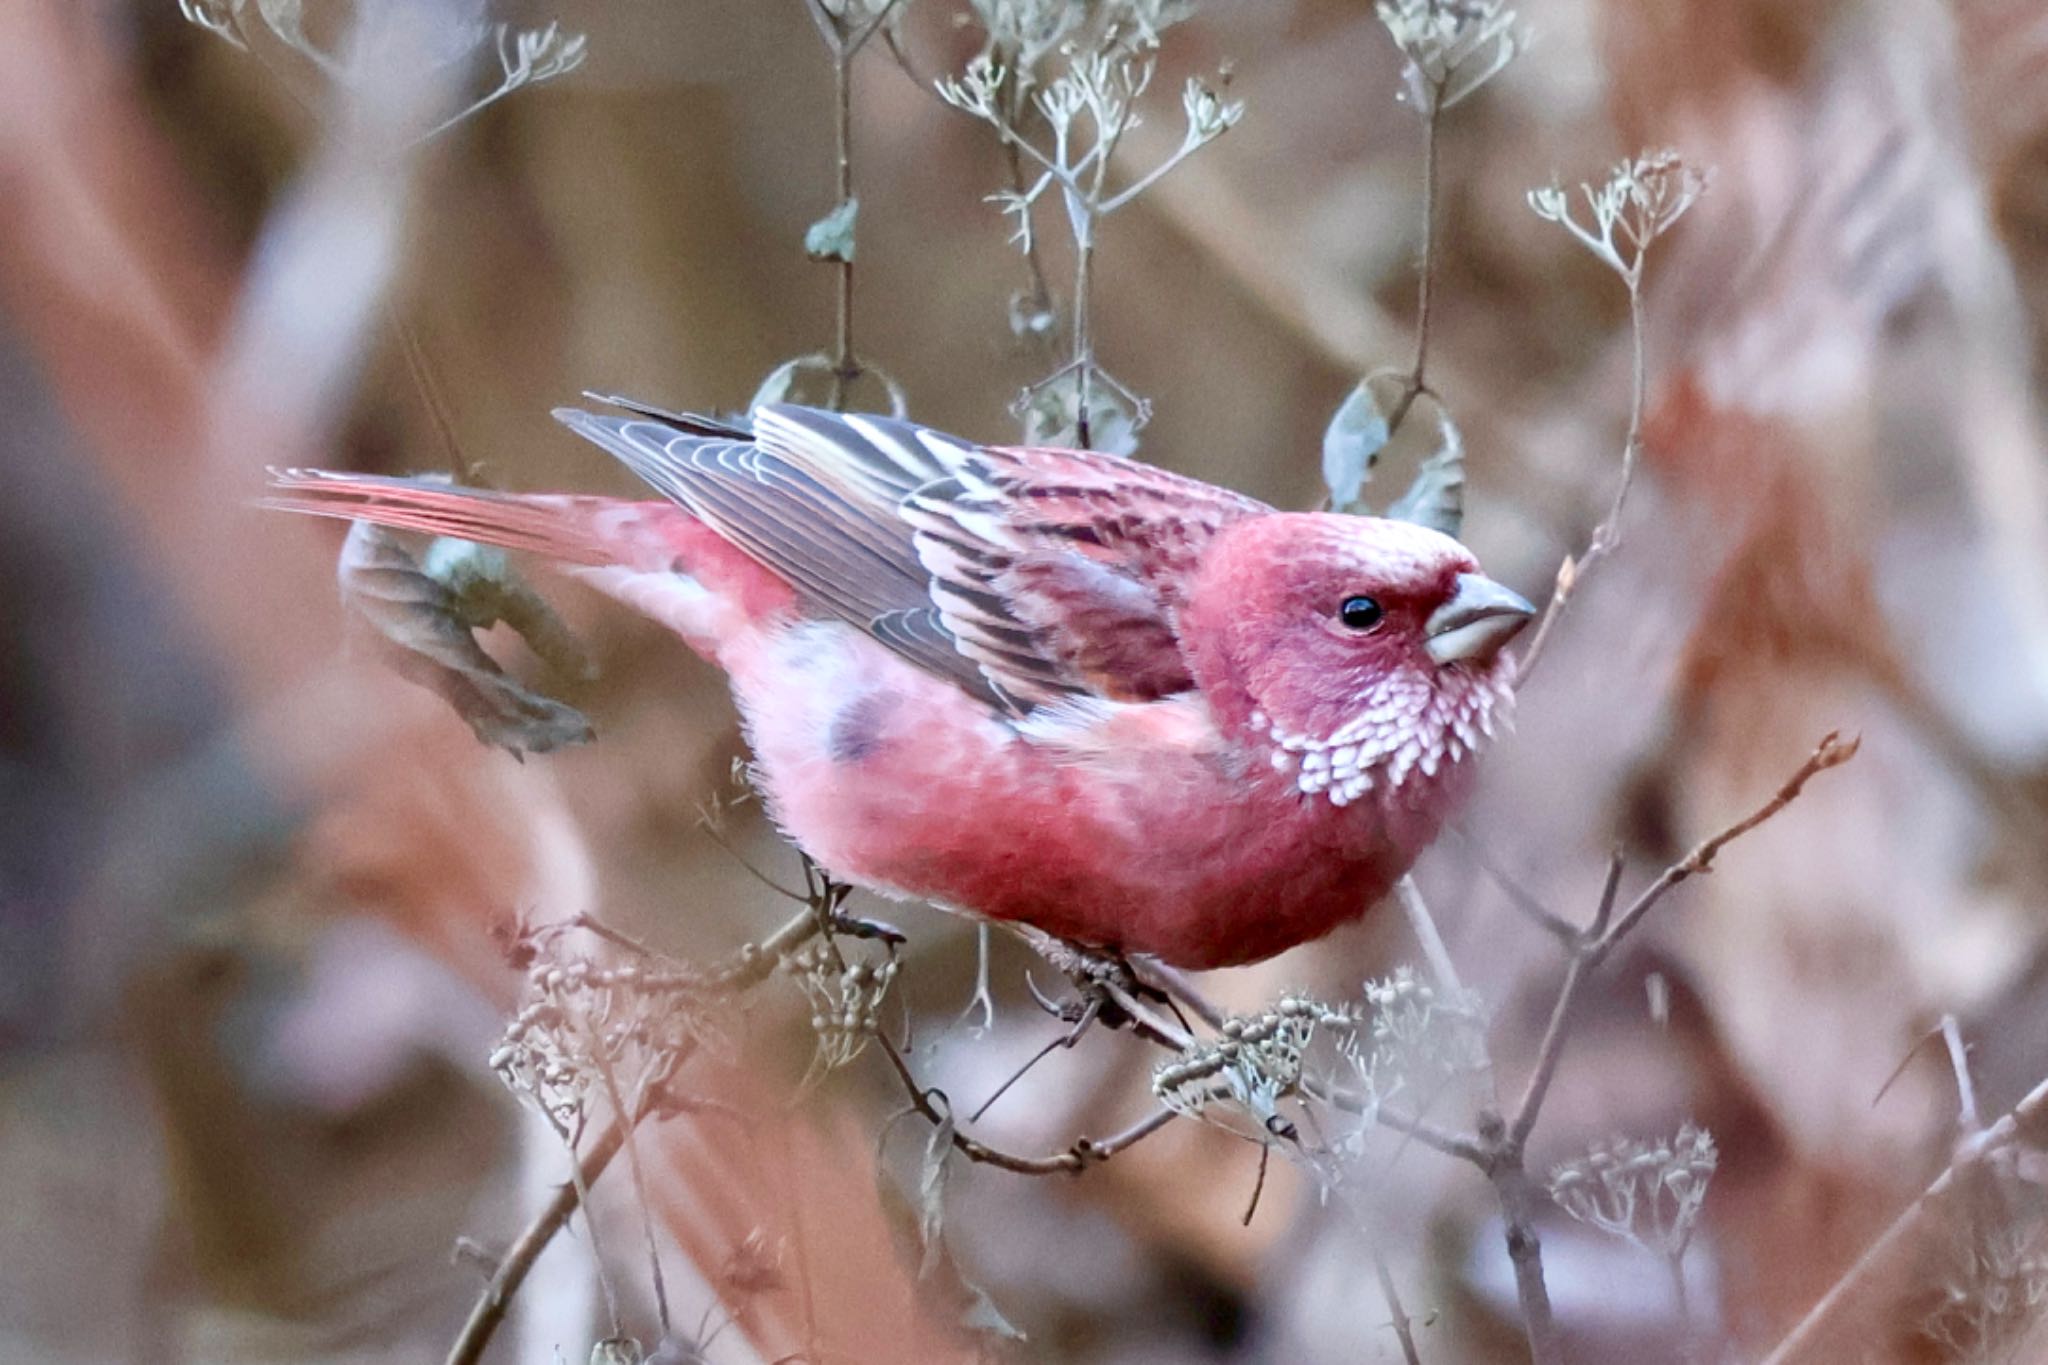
[[1993, 1274], [1450, 48], [587, 1027], [1417, 1042], [437, 38], [1247, 1072], [1649, 1193], [845, 991], [1638, 203], [1060, 82]]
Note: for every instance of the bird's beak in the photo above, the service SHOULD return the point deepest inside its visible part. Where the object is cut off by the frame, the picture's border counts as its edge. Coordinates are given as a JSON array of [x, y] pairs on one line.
[[1480, 617]]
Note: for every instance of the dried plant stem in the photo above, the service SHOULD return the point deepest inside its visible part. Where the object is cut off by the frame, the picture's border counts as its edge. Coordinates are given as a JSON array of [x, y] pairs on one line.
[[1016, 107], [1519, 1200], [1423, 924], [422, 372], [748, 968], [1084, 1153], [1506, 1142], [1397, 1315], [1869, 1283], [489, 1310], [1426, 287], [619, 1106], [1968, 1117], [1688, 1341], [845, 367], [1084, 342], [844, 40], [1606, 536]]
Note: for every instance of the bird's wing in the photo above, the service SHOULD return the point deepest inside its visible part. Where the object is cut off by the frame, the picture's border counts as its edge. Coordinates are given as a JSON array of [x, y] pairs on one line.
[[1025, 576], [1076, 558]]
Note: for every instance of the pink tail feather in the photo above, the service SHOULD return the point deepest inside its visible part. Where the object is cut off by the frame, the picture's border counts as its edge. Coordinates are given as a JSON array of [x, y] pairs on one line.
[[651, 555], [569, 529]]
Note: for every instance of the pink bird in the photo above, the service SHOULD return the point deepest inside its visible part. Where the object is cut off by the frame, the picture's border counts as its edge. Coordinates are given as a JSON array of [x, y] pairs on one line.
[[1048, 687]]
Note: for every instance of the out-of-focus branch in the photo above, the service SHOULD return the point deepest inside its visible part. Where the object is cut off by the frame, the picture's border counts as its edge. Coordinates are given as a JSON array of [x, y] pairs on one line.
[[745, 970], [506, 1280], [1869, 1286]]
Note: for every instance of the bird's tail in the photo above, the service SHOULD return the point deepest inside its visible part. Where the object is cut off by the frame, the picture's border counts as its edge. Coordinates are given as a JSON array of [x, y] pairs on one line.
[[572, 530], [653, 556]]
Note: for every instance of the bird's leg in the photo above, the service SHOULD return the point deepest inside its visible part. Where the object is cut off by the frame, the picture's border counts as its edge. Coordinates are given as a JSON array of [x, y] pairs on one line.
[[1108, 979], [861, 926], [828, 896]]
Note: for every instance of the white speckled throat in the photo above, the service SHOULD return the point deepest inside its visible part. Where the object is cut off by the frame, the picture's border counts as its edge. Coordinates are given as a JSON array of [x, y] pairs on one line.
[[1406, 724]]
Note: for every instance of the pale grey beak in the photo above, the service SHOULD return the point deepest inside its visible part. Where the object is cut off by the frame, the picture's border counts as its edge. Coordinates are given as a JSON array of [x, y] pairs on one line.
[[1480, 617]]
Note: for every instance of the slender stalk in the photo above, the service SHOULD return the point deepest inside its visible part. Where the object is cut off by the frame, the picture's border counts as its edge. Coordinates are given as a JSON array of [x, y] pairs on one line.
[[845, 367], [1868, 1283], [1424, 926], [1606, 536], [489, 1310], [1084, 343], [1020, 185], [1398, 1315], [751, 966], [619, 1106], [1688, 1341], [1425, 290], [1418, 379], [1084, 1152]]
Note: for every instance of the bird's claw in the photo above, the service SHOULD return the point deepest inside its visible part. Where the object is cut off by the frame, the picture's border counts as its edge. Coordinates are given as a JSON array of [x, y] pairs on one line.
[[859, 926]]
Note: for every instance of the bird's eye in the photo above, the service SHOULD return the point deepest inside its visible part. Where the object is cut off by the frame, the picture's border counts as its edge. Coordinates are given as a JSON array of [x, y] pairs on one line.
[[1360, 613]]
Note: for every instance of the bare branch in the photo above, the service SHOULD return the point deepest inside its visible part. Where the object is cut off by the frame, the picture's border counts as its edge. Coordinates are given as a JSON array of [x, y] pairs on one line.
[[1868, 1283], [1832, 751], [1085, 1152]]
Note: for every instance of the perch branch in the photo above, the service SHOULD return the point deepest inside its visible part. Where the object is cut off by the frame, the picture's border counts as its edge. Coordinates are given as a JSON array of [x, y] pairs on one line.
[[1085, 1151]]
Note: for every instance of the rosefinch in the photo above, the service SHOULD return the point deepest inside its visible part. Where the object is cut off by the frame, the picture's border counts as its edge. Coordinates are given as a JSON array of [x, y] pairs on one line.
[[1130, 709]]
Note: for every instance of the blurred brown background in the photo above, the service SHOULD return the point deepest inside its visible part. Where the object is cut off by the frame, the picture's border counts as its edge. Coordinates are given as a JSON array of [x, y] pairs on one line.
[[248, 880]]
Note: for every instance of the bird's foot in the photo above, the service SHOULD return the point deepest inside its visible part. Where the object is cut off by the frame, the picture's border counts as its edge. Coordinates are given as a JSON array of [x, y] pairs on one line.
[[1108, 990]]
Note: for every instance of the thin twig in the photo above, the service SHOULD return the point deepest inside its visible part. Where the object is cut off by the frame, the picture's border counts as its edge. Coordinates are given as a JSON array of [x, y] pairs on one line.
[[1085, 1151], [619, 1106], [1606, 536], [1519, 896], [1504, 1142], [1090, 1012], [1423, 924], [1419, 378], [2028, 1122], [1258, 1185], [1607, 931], [845, 369], [1967, 1117], [489, 1309], [1398, 1315], [1831, 752]]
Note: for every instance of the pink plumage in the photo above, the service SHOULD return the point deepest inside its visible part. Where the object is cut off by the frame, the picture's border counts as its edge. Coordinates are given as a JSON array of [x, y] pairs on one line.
[[1052, 687]]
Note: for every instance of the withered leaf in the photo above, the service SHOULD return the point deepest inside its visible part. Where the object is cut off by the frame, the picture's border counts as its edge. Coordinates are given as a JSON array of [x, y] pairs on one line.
[[426, 610]]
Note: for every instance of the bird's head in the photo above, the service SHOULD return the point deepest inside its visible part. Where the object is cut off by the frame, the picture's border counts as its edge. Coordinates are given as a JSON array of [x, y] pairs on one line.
[[1358, 650]]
